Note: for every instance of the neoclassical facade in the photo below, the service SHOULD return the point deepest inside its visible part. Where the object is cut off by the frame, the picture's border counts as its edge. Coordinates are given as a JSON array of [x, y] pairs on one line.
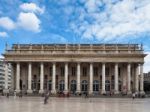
[[76, 68]]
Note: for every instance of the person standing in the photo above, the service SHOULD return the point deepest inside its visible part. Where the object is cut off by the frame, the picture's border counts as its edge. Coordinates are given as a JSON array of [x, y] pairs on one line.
[[14, 94]]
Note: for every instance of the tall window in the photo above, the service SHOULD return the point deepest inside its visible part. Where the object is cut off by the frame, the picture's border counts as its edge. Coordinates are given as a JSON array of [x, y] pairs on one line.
[[84, 71], [84, 85], [73, 86], [45, 81], [95, 71], [95, 85], [73, 71], [50, 71], [61, 85], [62, 71], [119, 71], [107, 71]]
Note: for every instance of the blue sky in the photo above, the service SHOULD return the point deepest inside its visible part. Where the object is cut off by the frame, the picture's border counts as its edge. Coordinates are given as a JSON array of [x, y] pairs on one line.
[[75, 21]]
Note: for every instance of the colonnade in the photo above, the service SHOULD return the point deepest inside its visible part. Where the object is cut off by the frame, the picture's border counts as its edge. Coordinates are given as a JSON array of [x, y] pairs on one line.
[[139, 72]]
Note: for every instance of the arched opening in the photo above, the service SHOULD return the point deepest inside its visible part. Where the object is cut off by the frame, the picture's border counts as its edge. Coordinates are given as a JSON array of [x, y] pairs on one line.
[[61, 85], [95, 86], [84, 86], [73, 86], [49, 85], [120, 85], [107, 85]]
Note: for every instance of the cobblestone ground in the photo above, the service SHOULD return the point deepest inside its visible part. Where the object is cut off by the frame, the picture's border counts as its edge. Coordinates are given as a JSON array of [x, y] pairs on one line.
[[36, 104]]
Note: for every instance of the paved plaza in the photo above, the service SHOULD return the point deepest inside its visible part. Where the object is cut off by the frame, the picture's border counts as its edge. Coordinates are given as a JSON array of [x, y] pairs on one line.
[[35, 104]]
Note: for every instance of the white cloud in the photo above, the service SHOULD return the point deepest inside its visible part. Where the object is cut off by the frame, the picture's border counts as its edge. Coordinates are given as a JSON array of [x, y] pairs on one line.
[[147, 63], [32, 7], [1, 56], [29, 21], [106, 20], [26, 20], [3, 34], [7, 23]]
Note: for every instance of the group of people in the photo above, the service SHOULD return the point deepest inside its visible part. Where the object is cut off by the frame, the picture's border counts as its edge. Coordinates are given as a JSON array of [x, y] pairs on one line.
[[15, 94]]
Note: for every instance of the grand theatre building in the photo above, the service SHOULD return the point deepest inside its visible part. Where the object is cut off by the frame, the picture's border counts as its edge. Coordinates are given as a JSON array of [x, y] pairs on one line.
[[76, 68]]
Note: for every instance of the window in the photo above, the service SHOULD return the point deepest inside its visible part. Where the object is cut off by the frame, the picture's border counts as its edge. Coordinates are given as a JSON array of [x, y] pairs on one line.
[[84, 85], [95, 85], [45, 81], [50, 85], [61, 85], [107, 85], [107, 71], [73, 71], [84, 71], [73, 86], [119, 71], [62, 71], [50, 71], [95, 71]]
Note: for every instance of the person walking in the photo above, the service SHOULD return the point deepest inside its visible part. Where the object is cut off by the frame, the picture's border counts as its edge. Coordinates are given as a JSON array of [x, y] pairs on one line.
[[133, 96], [46, 96]]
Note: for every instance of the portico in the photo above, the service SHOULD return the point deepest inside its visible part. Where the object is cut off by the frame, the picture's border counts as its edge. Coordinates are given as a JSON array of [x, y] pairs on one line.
[[96, 69]]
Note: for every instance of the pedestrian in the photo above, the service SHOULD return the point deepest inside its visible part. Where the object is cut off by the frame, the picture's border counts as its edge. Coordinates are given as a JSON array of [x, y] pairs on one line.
[[7, 94], [46, 96], [15, 94], [133, 96], [20, 94]]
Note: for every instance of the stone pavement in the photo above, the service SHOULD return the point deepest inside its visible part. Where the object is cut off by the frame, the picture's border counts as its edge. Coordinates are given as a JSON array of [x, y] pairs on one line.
[[36, 104]]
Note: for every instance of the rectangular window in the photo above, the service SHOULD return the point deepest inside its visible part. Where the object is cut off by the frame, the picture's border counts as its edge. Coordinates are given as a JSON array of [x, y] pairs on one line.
[[45, 77], [95, 71], [107, 71], [73, 71], [50, 71], [119, 72], [62, 71], [84, 71]]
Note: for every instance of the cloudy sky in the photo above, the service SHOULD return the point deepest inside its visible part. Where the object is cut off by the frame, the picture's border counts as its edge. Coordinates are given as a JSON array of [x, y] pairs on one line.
[[76, 21]]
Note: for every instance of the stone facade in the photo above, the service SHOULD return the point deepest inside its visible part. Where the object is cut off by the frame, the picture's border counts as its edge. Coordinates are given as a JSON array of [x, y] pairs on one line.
[[76, 68]]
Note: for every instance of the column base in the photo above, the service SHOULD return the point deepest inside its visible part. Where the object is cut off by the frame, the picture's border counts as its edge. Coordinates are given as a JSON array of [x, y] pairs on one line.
[[41, 91], [78, 91], [65, 92], [129, 92], [17, 90], [29, 91], [116, 92], [53, 91], [103, 92], [6, 91], [142, 93], [90, 92]]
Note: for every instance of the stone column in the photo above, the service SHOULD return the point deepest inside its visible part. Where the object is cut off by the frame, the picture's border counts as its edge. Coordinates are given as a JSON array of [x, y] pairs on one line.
[[29, 78], [6, 78], [54, 79], [141, 79], [18, 78], [66, 78], [91, 79], [78, 78], [41, 78], [137, 79], [129, 78], [116, 78], [103, 78]]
